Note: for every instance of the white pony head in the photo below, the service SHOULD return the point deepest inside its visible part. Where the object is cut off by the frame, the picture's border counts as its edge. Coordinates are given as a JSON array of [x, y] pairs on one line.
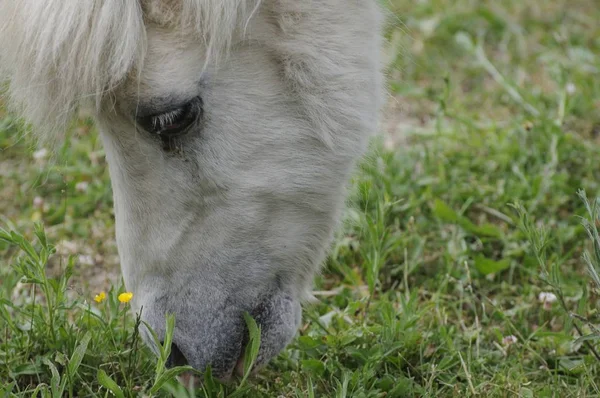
[[231, 128]]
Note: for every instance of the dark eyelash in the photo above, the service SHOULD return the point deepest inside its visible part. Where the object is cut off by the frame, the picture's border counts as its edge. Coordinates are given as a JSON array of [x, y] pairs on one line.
[[159, 122], [174, 122]]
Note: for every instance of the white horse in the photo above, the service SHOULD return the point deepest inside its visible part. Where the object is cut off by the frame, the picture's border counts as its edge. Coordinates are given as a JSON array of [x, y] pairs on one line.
[[231, 128]]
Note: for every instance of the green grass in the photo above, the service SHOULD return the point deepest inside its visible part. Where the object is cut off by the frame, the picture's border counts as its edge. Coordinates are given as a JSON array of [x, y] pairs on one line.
[[452, 236]]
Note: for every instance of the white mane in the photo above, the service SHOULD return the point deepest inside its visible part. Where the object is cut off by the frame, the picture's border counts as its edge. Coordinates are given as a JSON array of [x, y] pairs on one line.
[[58, 54]]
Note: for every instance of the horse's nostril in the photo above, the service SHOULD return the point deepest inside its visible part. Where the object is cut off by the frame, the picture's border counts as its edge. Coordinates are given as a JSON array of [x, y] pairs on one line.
[[176, 358]]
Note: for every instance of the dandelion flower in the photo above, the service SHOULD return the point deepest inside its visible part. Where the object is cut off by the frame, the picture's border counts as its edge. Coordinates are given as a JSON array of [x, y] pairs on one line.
[[125, 297], [36, 216], [100, 297]]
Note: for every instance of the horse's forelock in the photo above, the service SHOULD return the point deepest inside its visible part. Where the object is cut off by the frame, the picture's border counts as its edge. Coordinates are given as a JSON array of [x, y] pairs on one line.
[[58, 54], [216, 22]]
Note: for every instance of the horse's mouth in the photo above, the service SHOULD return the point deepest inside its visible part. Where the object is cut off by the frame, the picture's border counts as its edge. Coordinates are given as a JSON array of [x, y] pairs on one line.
[[176, 358], [193, 378]]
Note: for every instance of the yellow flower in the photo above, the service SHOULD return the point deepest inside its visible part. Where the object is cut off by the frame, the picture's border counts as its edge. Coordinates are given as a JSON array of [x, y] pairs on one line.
[[125, 297], [100, 297], [36, 216]]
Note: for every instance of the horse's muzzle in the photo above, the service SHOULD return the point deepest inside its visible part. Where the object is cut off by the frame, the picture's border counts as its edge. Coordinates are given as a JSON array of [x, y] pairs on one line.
[[218, 339]]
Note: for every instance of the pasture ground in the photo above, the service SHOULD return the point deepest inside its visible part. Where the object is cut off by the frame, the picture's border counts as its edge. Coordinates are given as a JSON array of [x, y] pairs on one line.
[[464, 215]]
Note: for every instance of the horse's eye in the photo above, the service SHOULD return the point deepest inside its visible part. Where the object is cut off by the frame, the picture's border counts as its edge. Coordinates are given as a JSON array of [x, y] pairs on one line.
[[174, 122]]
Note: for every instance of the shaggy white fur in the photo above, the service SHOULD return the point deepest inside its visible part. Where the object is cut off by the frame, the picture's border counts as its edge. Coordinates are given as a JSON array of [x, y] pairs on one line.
[[58, 54], [273, 102]]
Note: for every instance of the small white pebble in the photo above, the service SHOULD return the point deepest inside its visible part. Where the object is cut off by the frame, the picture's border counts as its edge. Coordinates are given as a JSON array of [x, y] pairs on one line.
[[428, 26], [86, 260], [81, 186], [509, 340], [66, 248], [40, 154], [571, 88], [547, 298]]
